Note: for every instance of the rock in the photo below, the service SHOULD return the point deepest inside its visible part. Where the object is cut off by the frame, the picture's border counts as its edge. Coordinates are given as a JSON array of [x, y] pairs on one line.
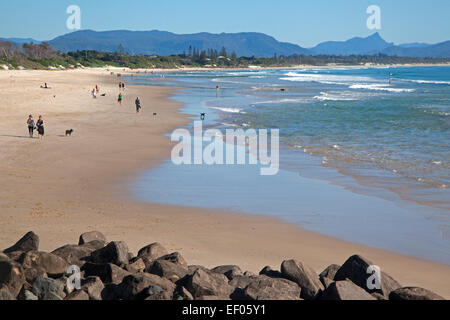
[[48, 289], [48, 263], [32, 273], [378, 296], [5, 294], [136, 265], [181, 293], [91, 236], [175, 258], [326, 282], [239, 283], [11, 276], [27, 295], [266, 288], [355, 269], [249, 274], [152, 252], [107, 272], [207, 283], [111, 292], [168, 270], [78, 295], [93, 286], [94, 245], [115, 252], [304, 276], [268, 271], [413, 293], [330, 271], [230, 271], [74, 254], [156, 293], [133, 286], [29, 242], [346, 290]]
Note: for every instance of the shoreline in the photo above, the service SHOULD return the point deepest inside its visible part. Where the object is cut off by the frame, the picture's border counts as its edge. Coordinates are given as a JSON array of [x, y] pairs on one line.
[[83, 188]]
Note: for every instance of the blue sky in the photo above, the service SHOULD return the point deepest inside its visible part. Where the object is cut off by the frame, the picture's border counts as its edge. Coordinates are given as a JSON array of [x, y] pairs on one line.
[[304, 22]]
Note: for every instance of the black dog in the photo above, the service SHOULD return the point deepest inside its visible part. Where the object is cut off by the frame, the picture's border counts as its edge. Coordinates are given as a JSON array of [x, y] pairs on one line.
[[69, 132], [202, 116]]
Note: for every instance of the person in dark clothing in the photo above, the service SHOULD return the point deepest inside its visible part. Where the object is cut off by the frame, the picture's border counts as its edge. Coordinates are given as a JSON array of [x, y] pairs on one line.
[[40, 127], [138, 105], [30, 123]]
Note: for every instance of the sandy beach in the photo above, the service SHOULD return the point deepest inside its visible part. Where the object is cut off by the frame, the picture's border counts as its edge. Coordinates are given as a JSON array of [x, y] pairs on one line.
[[62, 186]]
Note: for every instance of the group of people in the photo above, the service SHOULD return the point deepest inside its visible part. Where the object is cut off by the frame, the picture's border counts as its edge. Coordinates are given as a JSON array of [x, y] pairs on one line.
[[38, 125]]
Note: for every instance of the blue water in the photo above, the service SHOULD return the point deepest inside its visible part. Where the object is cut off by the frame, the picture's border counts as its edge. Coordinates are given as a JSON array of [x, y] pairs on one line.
[[362, 159]]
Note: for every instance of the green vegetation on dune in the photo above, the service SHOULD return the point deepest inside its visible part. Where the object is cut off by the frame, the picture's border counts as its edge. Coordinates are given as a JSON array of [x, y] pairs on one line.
[[43, 56]]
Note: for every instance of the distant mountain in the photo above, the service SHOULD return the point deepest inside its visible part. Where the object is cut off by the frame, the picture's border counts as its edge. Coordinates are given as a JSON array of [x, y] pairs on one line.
[[20, 40], [414, 45], [375, 44], [356, 46], [440, 50], [166, 43]]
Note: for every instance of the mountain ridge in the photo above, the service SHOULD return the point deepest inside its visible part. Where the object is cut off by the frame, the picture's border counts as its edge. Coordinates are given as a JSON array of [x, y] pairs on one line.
[[245, 44]]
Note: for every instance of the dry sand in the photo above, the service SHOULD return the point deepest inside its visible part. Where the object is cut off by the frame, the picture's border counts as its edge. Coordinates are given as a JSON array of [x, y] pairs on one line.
[[62, 186]]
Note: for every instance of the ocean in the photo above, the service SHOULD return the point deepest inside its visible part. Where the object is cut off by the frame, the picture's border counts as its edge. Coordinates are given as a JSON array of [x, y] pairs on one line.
[[365, 152]]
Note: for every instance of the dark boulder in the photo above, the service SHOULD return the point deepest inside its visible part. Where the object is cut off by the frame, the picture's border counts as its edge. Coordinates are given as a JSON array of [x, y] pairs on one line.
[[107, 272], [77, 295], [168, 270], [268, 271], [208, 283], [91, 236], [330, 271], [181, 293], [136, 265], [11, 275], [230, 271], [74, 254], [413, 293], [48, 289], [266, 288], [94, 287], [356, 270], [346, 290], [304, 276], [45, 262], [133, 286], [152, 252], [115, 252], [29, 242], [176, 258]]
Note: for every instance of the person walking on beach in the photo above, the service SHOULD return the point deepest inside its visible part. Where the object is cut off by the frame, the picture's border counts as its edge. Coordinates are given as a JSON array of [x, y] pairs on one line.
[[120, 86], [30, 123], [120, 99], [93, 94], [138, 105], [40, 127]]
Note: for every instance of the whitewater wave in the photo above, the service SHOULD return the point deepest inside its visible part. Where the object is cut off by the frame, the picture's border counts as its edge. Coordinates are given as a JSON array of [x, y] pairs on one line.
[[379, 87], [228, 110], [285, 100], [323, 78], [337, 96], [427, 81]]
